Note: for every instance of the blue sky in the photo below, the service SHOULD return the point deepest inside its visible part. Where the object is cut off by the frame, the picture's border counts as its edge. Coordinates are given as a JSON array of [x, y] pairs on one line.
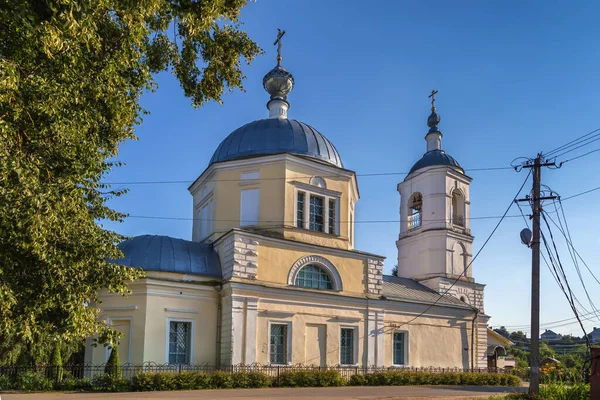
[[514, 78]]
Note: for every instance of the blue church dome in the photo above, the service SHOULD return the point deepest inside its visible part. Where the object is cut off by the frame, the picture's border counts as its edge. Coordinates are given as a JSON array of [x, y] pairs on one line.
[[276, 136], [435, 157], [167, 254]]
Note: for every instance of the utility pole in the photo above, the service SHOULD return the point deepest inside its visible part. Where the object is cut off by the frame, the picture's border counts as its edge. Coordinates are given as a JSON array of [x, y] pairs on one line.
[[534, 381]]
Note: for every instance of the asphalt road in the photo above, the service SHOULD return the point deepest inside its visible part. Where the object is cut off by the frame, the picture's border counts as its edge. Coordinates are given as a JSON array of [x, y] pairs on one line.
[[341, 393]]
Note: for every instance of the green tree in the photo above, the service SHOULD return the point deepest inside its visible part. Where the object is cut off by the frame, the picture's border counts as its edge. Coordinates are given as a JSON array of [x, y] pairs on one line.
[[502, 331], [71, 76], [56, 362], [113, 365]]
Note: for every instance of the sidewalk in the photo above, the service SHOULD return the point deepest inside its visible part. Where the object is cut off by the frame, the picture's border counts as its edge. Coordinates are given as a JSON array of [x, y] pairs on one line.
[[339, 393]]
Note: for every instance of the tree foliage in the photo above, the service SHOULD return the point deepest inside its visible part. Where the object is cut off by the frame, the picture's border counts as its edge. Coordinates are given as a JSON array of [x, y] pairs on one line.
[[71, 76]]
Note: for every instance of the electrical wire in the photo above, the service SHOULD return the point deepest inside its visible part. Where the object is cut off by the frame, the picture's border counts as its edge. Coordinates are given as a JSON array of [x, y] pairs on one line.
[[571, 143], [376, 174]]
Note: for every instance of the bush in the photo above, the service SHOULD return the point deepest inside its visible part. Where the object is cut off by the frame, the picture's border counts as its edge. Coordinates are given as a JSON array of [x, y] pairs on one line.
[[113, 365], [56, 372], [109, 383], [310, 378], [358, 380], [143, 382], [326, 378], [32, 381], [6, 383], [403, 378], [259, 380], [221, 380], [186, 381]]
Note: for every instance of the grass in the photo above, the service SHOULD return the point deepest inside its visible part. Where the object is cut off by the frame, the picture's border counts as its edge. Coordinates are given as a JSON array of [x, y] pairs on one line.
[[553, 391]]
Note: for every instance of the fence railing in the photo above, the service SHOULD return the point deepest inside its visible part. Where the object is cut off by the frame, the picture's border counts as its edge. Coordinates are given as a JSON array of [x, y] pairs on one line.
[[130, 370]]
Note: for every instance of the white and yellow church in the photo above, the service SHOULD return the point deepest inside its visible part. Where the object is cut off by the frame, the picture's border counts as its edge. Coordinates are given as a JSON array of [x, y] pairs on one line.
[[271, 275]]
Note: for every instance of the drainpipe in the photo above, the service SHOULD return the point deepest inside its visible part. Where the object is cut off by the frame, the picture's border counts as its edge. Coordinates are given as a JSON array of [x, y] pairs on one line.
[[218, 356], [473, 339]]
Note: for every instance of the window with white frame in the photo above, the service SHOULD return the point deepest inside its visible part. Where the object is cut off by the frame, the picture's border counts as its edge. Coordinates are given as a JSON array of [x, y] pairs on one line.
[[312, 276], [399, 348], [205, 217], [278, 342], [180, 342], [347, 346], [249, 203], [317, 213]]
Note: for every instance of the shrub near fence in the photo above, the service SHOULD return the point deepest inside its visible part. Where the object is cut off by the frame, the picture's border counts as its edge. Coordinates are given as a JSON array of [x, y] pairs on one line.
[[155, 377]]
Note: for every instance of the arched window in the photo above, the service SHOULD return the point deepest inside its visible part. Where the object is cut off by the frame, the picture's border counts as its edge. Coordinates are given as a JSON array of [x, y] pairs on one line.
[[318, 181], [313, 277], [458, 209], [315, 272], [459, 259], [415, 210]]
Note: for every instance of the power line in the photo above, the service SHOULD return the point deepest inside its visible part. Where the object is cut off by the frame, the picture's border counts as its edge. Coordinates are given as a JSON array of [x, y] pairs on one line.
[[395, 221], [294, 178], [580, 156], [571, 143], [594, 138], [581, 194], [291, 223]]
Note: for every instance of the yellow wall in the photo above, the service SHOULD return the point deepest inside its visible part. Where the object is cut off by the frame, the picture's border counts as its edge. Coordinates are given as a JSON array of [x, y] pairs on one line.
[[276, 259], [277, 198], [152, 297]]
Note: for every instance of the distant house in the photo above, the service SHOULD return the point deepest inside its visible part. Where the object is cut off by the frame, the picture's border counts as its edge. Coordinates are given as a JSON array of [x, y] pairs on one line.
[[550, 335], [595, 335]]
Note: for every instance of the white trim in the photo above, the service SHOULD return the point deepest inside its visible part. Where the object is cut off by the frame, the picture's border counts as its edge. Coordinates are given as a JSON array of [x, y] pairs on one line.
[[354, 345], [315, 189], [406, 336], [269, 160], [110, 322], [192, 334], [295, 245], [181, 310], [119, 308], [289, 340], [320, 261]]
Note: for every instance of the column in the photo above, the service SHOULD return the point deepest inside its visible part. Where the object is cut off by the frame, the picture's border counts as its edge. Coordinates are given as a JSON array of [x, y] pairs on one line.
[[237, 330], [372, 338], [306, 210], [380, 359], [250, 330]]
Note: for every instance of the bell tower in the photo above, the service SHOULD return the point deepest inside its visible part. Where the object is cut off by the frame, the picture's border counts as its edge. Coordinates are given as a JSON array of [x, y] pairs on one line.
[[435, 241]]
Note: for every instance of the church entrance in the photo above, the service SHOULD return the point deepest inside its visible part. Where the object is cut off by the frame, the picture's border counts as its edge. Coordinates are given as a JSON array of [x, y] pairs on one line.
[[315, 345]]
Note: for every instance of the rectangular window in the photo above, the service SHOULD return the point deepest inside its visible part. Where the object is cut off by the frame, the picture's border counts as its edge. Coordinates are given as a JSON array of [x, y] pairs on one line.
[[316, 214], [347, 346], [246, 176], [399, 343], [331, 216], [249, 207], [278, 345], [180, 334], [205, 216], [300, 210]]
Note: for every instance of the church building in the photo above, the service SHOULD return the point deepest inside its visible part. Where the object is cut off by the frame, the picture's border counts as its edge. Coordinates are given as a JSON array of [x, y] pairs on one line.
[[271, 274]]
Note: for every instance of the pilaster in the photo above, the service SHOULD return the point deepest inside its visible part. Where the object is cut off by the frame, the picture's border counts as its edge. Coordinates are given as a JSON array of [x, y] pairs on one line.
[[240, 258], [374, 276]]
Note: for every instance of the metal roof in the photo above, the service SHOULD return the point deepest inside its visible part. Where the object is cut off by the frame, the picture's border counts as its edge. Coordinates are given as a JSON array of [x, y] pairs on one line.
[[167, 254], [275, 136], [411, 290], [435, 157]]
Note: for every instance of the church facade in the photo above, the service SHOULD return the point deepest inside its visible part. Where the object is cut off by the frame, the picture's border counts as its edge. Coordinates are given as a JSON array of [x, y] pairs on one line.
[[271, 274]]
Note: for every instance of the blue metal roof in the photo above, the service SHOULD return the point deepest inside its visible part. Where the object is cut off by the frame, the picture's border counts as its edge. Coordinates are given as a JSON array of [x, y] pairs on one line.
[[167, 254], [276, 136], [435, 157]]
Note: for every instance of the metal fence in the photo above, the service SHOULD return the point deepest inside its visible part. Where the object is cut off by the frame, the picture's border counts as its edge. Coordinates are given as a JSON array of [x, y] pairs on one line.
[[128, 371]]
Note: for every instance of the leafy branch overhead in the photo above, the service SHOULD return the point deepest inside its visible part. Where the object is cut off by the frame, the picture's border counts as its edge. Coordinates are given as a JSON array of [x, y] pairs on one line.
[[71, 76]]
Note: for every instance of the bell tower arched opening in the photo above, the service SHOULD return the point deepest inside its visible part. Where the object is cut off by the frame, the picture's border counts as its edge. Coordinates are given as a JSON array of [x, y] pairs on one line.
[[415, 211]]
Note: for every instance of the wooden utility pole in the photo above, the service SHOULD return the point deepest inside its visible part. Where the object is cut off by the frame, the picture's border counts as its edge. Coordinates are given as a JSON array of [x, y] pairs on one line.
[[536, 201]]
